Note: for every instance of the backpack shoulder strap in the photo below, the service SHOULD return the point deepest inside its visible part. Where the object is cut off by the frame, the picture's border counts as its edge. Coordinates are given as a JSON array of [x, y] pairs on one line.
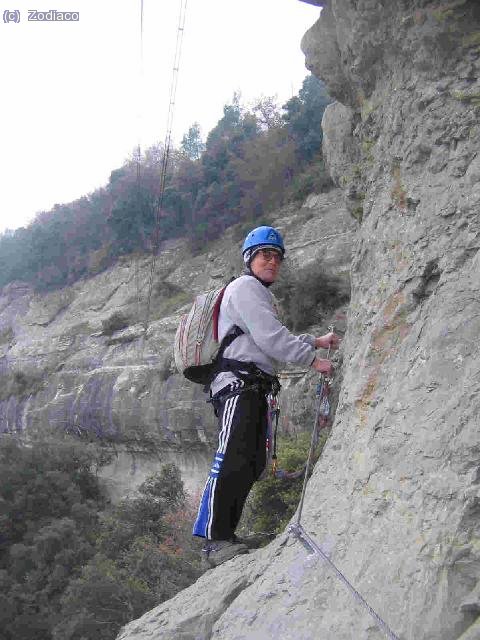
[[216, 309], [228, 339]]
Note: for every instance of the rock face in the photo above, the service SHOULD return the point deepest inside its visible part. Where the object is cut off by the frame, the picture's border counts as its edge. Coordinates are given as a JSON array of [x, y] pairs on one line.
[[60, 368], [395, 498]]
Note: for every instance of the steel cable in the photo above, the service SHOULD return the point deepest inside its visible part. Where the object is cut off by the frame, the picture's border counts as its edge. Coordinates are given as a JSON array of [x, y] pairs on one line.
[[166, 154], [299, 532]]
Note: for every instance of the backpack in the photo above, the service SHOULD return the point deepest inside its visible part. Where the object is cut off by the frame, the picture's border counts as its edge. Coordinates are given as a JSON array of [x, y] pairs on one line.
[[197, 352]]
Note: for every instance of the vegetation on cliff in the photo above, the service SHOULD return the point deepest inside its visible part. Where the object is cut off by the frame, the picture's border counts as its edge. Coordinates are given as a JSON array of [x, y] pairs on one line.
[[253, 160], [273, 501], [71, 566], [309, 294], [74, 567]]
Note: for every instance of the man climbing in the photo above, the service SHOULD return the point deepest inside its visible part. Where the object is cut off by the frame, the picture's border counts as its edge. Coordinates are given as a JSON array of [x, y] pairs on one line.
[[239, 396]]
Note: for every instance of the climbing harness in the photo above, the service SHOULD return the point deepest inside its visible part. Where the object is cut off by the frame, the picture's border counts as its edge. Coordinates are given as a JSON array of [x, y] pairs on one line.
[[256, 380], [252, 375], [297, 530]]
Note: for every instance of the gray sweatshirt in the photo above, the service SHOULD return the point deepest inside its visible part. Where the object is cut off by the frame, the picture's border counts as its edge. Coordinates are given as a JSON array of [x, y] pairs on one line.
[[266, 341]]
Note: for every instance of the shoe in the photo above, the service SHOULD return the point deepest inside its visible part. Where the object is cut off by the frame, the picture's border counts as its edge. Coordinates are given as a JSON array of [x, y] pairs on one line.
[[254, 540], [216, 552]]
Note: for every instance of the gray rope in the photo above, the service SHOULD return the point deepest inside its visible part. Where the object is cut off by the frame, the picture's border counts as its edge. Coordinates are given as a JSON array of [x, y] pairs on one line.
[[299, 532]]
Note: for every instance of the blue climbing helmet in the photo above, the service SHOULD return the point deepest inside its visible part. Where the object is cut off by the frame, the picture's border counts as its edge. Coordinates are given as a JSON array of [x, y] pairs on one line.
[[263, 236]]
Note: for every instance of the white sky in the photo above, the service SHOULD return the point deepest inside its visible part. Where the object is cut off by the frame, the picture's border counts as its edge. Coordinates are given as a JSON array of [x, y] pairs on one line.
[[74, 104]]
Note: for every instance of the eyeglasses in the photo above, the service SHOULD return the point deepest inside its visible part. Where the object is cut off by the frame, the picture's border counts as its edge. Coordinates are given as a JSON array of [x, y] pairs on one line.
[[271, 254]]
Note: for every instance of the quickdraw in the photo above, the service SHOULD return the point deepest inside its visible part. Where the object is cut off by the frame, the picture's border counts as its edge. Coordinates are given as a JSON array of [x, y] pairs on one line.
[[322, 421], [273, 415]]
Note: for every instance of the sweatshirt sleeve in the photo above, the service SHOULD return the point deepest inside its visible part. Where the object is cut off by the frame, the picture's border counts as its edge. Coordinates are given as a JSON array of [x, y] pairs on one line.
[[250, 306]]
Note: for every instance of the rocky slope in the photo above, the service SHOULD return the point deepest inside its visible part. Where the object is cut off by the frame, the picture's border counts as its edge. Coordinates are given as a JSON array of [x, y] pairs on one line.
[[395, 498], [58, 368]]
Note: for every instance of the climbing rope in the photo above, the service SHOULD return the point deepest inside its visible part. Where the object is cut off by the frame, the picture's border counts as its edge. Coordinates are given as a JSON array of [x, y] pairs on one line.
[[166, 154], [299, 532]]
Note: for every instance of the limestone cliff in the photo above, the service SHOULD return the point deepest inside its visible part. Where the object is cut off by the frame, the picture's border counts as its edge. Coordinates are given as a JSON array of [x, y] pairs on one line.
[[63, 366], [395, 497]]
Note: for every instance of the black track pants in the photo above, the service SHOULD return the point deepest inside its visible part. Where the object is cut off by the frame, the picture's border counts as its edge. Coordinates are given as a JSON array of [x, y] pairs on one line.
[[239, 461]]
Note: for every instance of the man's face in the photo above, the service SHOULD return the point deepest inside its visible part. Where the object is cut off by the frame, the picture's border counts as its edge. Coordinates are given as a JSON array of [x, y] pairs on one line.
[[266, 264]]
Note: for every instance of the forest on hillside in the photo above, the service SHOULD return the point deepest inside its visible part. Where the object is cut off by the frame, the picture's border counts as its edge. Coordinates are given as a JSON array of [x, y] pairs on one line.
[[73, 566], [254, 160]]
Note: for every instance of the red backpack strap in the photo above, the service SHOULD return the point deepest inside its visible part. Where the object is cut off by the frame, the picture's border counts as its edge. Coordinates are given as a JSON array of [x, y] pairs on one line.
[[216, 313], [216, 310]]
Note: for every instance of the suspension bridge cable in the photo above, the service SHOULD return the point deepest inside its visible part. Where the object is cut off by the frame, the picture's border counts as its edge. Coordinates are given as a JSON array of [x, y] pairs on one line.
[[166, 154], [139, 147]]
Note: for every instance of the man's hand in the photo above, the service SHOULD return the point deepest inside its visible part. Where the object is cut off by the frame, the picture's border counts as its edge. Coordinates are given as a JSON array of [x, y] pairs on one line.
[[329, 340], [322, 366]]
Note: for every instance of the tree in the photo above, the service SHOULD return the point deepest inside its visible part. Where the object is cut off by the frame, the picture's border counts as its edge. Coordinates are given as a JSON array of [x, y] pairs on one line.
[[267, 112], [303, 117], [132, 220], [68, 571], [265, 170], [244, 169], [192, 144], [49, 503], [144, 556]]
